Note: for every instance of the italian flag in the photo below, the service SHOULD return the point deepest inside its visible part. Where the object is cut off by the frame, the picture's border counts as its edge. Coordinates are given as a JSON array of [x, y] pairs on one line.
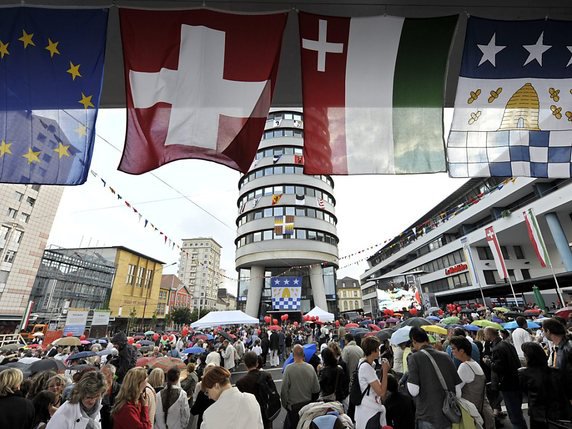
[[373, 90], [536, 238]]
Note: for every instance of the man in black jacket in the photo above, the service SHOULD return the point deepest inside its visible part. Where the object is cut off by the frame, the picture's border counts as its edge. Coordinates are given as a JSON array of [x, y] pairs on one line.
[[126, 357], [561, 353], [504, 364]]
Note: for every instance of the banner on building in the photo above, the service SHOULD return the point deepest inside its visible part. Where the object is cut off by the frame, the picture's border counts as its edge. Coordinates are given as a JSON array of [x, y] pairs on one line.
[[470, 262], [496, 251], [286, 293], [99, 323], [76, 321]]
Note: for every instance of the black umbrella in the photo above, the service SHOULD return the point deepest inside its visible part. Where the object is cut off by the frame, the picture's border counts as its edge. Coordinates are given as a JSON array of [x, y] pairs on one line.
[[24, 367], [146, 343], [11, 347], [468, 311], [359, 332], [415, 321], [47, 365], [384, 334], [226, 336], [514, 314]]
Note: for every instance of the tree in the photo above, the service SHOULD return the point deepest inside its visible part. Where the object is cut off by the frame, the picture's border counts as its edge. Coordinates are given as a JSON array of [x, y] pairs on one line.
[[180, 315], [154, 320], [195, 314]]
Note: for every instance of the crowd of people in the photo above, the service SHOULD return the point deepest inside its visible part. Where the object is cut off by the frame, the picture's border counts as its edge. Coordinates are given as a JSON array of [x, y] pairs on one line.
[[335, 375]]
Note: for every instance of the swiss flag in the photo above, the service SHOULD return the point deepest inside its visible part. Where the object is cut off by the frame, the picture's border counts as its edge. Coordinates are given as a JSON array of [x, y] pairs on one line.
[[199, 84]]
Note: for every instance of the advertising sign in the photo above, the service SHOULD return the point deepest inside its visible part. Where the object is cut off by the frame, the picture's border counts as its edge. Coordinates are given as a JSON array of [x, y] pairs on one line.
[[75, 322]]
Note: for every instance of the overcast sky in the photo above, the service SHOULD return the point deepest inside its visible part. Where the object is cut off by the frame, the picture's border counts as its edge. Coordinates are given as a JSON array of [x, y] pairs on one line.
[[370, 209]]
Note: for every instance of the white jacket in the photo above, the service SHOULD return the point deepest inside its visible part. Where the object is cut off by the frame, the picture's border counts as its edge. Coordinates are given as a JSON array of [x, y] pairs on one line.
[[68, 416], [178, 414], [233, 410], [228, 356]]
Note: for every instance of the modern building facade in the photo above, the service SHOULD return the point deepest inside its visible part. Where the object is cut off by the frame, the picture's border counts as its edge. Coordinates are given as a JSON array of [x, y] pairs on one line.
[[199, 269], [286, 222], [430, 254], [26, 216], [349, 294], [71, 279]]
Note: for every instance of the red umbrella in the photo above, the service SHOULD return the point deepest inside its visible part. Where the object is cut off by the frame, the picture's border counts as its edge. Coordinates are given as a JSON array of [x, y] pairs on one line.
[[166, 363], [352, 325], [374, 327], [564, 312], [200, 337], [275, 328], [145, 360], [532, 312]]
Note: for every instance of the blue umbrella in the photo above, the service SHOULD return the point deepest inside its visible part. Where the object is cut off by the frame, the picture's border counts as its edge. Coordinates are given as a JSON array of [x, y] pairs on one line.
[[81, 355], [309, 351], [146, 343], [400, 336], [433, 318], [514, 325], [194, 350], [496, 319], [471, 328], [209, 337]]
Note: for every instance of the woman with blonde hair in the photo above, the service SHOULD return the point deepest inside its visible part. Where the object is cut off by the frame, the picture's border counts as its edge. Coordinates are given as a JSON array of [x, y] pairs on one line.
[[172, 404], [81, 411], [16, 412], [156, 379], [56, 385], [39, 382], [130, 411], [232, 408]]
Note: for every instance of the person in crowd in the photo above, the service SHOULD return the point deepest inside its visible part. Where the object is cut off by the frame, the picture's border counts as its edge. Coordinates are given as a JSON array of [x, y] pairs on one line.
[[423, 383], [44, 408], [473, 379], [82, 408], [265, 344], [475, 354], [16, 412], [274, 349], [56, 385], [300, 386], [351, 354], [240, 349], [156, 379], [335, 348], [544, 387], [39, 383], [189, 384], [201, 401], [504, 364], [520, 336], [129, 410], [371, 412], [126, 357], [281, 346], [561, 351], [399, 407], [228, 355], [256, 348], [288, 340], [252, 381], [213, 356], [333, 383], [232, 408], [109, 396], [172, 404]]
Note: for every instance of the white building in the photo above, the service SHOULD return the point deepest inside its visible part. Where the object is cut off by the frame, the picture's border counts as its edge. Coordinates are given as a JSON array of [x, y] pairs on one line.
[[26, 216], [286, 222], [199, 269], [430, 254]]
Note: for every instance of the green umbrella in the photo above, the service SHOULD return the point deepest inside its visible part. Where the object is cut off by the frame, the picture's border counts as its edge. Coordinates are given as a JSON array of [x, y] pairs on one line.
[[453, 320], [501, 309], [486, 324], [150, 333], [538, 297]]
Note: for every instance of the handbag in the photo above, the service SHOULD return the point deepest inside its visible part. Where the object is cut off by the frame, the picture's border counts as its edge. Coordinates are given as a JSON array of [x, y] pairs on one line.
[[451, 408]]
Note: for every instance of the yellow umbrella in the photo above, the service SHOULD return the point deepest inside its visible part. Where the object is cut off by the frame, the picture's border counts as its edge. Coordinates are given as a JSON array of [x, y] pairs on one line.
[[435, 329], [67, 341]]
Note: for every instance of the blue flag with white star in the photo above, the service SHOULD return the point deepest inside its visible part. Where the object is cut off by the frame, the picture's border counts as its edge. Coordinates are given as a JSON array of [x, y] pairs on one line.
[[513, 109], [286, 293], [51, 72]]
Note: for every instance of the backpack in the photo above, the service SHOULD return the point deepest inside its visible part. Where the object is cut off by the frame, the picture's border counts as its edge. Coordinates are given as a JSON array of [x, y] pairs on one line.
[[327, 421], [356, 395], [268, 397]]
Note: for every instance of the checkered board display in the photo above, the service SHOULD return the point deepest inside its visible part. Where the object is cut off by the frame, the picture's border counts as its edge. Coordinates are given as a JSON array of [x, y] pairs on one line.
[[286, 293], [513, 108]]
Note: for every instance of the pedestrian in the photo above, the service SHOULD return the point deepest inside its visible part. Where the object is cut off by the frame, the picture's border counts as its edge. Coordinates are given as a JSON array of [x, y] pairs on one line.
[[256, 348], [126, 356], [351, 354], [545, 388], [399, 407], [300, 386], [39, 382], [82, 410], [189, 385], [504, 364], [172, 404], [108, 399], [274, 349], [156, 379], [232, 408], [56, 385], [561, 351], [333, 382], [281, 346], [16, 412], [423, 382], [371, 412], [520, 336], [265, 344], [44, 408], [130, 411], [201, 402], [213, 356], [228, 355]]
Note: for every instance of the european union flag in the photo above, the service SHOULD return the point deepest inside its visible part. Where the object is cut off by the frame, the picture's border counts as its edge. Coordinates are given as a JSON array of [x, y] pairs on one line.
[[51, 72], [513, 111]]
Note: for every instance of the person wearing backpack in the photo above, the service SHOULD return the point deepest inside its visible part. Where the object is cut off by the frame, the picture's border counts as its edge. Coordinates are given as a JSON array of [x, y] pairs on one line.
[[172, 404], [369, 409], [260, 384]]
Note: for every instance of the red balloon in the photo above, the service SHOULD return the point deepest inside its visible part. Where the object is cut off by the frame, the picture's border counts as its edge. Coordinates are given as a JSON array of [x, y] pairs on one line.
[[185, 332], [275, 321], [69, 334], [138, 345], [165, 337], [285, 317], [316, 318], [267, 319], [459, 308], [156, 337], [306, 317], [413, 311], [130, 340], [82, 337], [440, 312]]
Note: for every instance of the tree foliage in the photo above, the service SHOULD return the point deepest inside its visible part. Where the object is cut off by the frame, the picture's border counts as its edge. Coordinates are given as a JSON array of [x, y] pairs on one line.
[[180, 315]]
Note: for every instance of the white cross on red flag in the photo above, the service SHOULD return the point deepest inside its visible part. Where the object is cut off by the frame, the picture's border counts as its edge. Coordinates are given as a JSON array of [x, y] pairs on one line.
[[496, 251], [199, 84]]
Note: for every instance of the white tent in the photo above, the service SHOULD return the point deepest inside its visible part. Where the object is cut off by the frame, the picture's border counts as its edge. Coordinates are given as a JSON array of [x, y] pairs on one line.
[[322, 314], [221, 318]]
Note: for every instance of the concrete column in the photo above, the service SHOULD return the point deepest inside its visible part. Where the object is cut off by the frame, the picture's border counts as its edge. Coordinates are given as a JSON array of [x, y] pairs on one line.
[[559, 239], [318, 288], [255, 291]]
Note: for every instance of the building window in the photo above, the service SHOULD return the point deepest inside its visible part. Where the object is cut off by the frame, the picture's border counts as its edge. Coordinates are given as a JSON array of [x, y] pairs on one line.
[[10, 256], [140, 276], [24, 217], [485, 253], [36, 187], [518, 252], [17, 236], [130, 274], [504, 252], [148, 278], [12, 213], [525, 274], [19, 196], [4, 232], [355, 293], [356, 305], [31, 201]]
